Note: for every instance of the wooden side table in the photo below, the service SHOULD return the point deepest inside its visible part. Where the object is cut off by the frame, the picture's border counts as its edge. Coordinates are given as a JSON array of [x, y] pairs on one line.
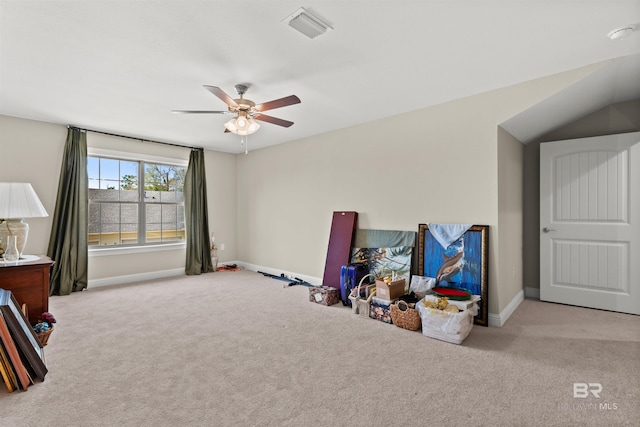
[[28, 281]]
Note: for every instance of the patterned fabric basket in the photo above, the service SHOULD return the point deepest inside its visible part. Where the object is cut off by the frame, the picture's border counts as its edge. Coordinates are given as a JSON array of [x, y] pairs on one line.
[[404, 316], [380, 310], [361, 305]]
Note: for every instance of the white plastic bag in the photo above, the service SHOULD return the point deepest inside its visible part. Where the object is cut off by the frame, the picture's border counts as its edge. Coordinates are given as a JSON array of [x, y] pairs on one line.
[[422, 284], [446, 326]]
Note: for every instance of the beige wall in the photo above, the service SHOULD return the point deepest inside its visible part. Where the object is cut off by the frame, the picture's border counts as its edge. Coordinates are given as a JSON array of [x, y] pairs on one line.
[[32, 151], [273, 207], [441, 171], [618, 118], [438, 164], [509, 250], [222, 202]]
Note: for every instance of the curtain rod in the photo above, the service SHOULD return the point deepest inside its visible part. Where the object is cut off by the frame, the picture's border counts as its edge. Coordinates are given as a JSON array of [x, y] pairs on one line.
[[137, 139]]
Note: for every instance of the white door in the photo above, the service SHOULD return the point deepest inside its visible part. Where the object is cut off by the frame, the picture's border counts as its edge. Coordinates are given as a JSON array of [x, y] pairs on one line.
[[589, 222]]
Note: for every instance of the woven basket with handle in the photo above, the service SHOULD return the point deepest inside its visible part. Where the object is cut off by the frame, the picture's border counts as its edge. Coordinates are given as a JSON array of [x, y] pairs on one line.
[[404, 316]]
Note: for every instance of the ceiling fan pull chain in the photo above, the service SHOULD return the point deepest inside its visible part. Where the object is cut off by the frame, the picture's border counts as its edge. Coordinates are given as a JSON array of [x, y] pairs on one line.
[[244, 140]]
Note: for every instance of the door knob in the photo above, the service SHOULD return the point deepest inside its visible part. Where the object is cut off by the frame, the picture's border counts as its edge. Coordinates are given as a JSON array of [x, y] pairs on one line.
[[547, 230]]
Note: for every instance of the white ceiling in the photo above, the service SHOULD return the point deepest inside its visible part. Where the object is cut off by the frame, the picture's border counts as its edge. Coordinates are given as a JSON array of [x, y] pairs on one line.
[[122, 66]]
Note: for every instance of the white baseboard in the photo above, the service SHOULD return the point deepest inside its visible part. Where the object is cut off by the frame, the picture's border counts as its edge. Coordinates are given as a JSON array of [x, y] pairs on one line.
[[500, 319], [494, 319], [130, 278], [290, 274]]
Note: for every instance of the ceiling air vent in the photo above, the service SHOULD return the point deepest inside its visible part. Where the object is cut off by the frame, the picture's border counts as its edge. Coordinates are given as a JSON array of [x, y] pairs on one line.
[[306, 23]]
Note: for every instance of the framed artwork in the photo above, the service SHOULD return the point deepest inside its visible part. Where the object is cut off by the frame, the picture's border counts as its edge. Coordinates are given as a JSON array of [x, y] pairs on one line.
[[13, 358], [464, 263], [23, 335]]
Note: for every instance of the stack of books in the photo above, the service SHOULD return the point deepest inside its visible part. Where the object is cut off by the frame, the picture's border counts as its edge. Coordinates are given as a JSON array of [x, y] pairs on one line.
[[21, 352]]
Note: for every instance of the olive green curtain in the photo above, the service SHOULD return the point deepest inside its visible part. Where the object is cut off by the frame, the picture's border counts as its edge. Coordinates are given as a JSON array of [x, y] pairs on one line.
[[68, 241], [196, 216]]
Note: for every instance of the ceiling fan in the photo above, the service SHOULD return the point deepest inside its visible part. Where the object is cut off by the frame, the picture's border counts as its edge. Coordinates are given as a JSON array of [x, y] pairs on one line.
[[246, 111]]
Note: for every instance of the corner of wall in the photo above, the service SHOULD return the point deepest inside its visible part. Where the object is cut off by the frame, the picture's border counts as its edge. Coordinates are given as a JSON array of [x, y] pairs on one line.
[[501, 318]]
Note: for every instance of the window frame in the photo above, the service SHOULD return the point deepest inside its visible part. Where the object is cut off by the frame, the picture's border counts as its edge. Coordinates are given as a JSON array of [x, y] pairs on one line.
[[136, 247]]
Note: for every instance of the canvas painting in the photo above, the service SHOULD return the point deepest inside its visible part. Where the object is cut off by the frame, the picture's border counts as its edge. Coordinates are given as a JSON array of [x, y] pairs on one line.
[[386, 261]]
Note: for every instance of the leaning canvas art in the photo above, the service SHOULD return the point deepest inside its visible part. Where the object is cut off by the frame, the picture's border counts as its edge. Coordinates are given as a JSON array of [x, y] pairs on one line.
[[386, 261], [386, 252]]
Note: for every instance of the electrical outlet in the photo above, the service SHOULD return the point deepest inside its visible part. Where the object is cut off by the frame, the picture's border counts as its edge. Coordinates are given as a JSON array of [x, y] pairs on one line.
[[222, 246]]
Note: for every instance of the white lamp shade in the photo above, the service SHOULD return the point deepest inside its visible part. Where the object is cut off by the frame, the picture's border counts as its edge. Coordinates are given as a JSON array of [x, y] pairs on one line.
[[253, 126], [242, 125], [231, 126], [19, 200]]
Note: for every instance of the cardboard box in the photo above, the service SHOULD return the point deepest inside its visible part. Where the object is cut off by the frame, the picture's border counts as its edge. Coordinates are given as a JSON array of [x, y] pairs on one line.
[[390, 291]]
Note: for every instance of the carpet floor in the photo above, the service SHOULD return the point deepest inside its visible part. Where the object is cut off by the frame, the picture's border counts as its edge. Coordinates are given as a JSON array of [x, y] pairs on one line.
[[235, 348]]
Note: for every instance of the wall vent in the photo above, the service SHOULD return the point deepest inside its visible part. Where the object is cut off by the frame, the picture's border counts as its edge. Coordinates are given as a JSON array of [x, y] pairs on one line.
[[306, 23]]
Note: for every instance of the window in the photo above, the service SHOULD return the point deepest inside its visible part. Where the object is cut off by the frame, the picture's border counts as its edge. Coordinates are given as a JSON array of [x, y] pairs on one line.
[[134, 202]]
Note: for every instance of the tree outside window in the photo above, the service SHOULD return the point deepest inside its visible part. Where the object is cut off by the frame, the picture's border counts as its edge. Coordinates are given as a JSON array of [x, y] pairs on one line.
[[135, 202]]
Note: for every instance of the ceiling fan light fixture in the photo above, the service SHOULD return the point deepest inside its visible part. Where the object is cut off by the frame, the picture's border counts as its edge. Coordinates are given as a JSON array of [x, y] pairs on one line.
[[250, 127], [242, 125], [306, 23]]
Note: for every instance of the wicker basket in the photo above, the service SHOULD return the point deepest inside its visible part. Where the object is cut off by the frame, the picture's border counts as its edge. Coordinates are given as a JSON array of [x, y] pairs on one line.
[[361, 305], [42, 336], [404, 316]]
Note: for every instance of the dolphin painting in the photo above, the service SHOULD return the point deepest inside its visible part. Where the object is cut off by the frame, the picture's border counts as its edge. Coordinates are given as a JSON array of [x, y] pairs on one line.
[[450, 267]]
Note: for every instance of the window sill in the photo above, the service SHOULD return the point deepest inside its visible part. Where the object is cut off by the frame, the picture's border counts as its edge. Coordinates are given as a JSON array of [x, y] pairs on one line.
[[108, 251]]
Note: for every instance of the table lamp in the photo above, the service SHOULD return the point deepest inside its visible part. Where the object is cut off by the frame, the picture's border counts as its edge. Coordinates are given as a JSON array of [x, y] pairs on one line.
[[18, 200]]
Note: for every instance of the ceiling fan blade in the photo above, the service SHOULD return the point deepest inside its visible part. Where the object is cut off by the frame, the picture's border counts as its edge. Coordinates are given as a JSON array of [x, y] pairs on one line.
[[199, 112], [222, 95], [273, 120], [278, 103]]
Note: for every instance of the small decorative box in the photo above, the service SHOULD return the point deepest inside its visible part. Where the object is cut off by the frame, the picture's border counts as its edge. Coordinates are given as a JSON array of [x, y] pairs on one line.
[[325, 295]]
